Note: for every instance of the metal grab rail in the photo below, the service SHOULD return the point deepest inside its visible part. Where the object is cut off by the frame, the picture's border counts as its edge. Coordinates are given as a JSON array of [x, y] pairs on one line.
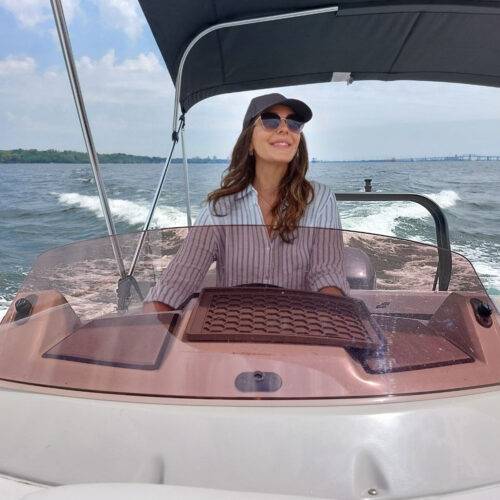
[[234, 24], [443, 271]]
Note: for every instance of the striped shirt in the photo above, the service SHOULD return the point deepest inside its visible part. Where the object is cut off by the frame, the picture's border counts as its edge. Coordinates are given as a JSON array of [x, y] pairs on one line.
[[238, 241]]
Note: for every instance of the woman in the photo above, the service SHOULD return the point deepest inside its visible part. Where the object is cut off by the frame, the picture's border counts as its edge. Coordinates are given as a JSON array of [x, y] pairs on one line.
[[264, 224]]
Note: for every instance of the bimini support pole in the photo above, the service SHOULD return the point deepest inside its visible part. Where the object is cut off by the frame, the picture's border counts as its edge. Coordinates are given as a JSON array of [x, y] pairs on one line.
[[128, 282], [175, 139], [62, 31], [186, 178]]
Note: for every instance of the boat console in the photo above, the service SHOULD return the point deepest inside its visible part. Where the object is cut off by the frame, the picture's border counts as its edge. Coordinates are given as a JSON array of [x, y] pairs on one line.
[[392, 336]]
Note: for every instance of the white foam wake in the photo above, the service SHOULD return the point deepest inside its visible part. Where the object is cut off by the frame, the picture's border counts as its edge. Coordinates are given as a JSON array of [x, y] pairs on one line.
[[486, 266], [489, 275], [128, 211], [383, 217], [4, 305]]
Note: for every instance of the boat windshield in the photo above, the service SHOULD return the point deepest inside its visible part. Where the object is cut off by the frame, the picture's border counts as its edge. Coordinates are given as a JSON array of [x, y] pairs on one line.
[[248, 321]]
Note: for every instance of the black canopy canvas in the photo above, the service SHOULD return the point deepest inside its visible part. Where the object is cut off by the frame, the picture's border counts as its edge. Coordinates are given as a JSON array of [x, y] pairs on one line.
[[370, 39]]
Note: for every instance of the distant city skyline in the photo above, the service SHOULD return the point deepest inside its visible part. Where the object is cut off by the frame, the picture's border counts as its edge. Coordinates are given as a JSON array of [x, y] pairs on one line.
[[129, 97]]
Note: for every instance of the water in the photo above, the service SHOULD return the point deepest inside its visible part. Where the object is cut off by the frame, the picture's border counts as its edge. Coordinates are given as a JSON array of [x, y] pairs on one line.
[[44, 206]]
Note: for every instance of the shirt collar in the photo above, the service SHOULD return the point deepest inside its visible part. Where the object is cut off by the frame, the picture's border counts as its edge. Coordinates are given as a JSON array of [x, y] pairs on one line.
[[245, 192]]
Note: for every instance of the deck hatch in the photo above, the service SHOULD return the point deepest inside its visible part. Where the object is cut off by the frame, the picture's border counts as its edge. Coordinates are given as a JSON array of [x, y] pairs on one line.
[[123, 342], [409, 345]]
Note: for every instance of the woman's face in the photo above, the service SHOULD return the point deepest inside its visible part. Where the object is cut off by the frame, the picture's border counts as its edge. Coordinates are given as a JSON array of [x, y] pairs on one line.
[[278, 146]]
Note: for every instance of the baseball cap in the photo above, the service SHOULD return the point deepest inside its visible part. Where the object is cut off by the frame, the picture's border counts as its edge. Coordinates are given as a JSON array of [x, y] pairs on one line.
[[261, 103]]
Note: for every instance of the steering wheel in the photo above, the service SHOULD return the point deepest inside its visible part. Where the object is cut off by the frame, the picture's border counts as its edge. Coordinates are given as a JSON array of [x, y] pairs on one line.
[[258, 285]]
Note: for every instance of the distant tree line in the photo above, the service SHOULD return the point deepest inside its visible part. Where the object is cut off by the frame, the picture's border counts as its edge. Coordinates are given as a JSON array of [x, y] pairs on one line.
[[54, 156]]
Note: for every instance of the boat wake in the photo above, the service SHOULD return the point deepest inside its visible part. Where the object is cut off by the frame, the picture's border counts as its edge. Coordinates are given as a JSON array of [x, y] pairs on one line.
[[383, 218], [485, 261], [4, 305], [389, 218], [133, 213]]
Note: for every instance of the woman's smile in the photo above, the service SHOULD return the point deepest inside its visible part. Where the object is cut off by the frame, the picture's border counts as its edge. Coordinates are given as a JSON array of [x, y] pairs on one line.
[[280, 143]]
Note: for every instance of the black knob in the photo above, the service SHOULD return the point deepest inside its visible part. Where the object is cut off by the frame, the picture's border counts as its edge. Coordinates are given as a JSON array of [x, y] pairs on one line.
[[484, 310], [23, 308]]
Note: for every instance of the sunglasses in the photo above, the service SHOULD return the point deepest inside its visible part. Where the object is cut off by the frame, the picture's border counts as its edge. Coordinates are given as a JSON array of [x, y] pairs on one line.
[[272, 121]]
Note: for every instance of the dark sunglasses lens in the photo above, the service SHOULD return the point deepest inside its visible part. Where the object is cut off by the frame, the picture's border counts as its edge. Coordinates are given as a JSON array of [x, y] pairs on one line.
[[270, 121], [294, 125]]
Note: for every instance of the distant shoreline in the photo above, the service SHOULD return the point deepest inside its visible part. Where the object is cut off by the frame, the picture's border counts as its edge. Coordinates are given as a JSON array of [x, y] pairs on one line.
[[78, 157]]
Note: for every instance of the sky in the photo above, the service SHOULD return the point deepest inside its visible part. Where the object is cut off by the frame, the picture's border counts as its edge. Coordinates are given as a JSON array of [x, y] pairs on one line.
[[129, 97]]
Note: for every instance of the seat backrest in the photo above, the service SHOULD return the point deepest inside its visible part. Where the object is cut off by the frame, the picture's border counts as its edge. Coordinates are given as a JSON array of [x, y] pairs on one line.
[[359, 269]]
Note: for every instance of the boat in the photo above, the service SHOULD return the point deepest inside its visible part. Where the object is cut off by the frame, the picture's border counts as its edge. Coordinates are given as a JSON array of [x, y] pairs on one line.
[[259, 391]]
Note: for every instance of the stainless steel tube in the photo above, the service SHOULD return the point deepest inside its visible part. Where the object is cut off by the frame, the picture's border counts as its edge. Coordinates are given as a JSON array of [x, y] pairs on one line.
[[231, 24], [159, 187], [62, 31]]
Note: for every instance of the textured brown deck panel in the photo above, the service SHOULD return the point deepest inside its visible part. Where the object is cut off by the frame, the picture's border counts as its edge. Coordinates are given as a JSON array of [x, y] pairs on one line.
[[281, 316]]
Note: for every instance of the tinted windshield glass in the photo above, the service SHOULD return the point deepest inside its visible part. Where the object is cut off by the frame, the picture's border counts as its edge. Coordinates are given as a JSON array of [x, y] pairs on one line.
[[329, 314]]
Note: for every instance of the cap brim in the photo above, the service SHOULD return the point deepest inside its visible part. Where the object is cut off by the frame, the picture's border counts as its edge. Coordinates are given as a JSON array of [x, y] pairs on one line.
[[261, 103], [302, 110]]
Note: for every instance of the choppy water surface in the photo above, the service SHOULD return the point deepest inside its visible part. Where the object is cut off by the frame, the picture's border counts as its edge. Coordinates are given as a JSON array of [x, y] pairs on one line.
[[44, 206]]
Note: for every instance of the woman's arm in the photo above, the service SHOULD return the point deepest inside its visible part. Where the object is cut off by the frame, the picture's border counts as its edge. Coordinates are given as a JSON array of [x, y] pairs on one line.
[[185, 273], [326, 272]]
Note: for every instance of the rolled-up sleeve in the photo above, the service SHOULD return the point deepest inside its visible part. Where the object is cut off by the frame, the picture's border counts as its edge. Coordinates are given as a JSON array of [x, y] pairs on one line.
[[185, 273], [327, 256]]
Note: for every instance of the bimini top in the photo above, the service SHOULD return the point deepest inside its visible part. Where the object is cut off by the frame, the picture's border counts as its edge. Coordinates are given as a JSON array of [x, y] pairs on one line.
[[456, 41]]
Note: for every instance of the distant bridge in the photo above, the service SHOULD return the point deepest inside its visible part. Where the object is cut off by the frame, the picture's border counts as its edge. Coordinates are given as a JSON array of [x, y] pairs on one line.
[[467, 157]]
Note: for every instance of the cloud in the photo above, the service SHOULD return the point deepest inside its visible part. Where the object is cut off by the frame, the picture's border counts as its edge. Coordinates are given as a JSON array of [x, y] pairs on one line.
[[20, 65], [28, 13], [129, 103], [123, 15], [142, 79], [31, 13]]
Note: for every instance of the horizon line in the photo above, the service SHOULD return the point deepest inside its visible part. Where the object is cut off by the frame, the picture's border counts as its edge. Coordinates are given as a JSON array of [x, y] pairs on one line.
[[215, 158]]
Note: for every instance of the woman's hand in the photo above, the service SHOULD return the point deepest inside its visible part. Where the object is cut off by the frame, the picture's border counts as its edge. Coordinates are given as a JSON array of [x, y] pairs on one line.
[[158, 307], [332, 290], [151, 307]]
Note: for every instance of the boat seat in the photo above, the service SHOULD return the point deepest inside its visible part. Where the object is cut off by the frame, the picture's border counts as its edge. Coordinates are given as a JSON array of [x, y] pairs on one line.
[[359, 269]]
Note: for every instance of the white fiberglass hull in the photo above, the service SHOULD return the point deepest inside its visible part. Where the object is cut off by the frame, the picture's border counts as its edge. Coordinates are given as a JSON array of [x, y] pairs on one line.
[[12, 490], [402, 449]]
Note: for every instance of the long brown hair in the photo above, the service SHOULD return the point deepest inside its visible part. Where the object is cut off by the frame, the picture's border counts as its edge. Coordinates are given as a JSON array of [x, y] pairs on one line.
[[295, 192]]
